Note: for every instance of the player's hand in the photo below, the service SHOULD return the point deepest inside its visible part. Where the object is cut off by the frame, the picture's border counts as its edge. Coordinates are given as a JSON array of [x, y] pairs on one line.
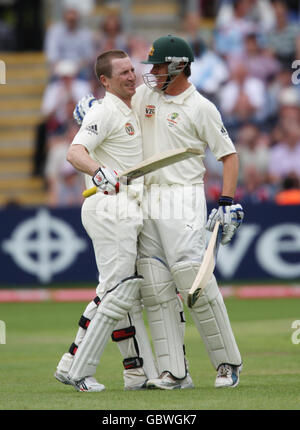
[[82, 107], [106, 180], [230, 216]]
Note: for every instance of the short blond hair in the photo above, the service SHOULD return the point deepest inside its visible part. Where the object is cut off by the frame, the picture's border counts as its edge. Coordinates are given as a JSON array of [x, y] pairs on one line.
[[103, 64]]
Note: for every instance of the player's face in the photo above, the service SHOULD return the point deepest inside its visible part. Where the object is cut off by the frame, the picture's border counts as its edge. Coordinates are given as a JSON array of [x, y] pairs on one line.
[[123, 80], [160, 71]]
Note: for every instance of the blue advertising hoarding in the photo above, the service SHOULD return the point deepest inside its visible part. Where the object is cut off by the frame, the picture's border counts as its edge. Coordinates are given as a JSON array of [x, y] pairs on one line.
[[43, 246]]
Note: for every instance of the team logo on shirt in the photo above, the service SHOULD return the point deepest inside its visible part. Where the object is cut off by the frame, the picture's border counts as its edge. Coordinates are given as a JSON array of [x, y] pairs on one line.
[[92, 129], [173, 119], [129, 129], [150, 111]]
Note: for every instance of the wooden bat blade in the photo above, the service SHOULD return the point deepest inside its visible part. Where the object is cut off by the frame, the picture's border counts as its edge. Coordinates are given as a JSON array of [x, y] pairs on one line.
[[159, 161], [207, 267], [153, 163]]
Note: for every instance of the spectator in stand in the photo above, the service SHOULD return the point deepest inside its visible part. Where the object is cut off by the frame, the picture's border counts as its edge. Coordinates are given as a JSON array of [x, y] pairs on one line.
[[254, 152], [260, 63], [110, 35], [283, 95], [285, 155], [290, 191], [258, 11], [196, 33], [253, 190], [208, 70], [229, 36], [66, 88], [59, 100], [284, 39], [67, 40], [138, 49], [64, 183], [242, 99]]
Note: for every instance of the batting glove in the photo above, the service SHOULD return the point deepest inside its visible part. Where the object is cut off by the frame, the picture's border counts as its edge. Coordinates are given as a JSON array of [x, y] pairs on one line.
[[230, 216], [82, 107], [107, 180]]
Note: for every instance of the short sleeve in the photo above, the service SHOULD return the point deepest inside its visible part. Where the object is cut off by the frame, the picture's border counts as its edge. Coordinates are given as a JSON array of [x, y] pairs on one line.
[[94, 129], [211, 130]]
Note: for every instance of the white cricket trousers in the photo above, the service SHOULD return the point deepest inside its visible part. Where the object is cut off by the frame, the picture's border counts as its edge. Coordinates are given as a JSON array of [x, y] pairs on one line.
[[113, 223], [174, 223]]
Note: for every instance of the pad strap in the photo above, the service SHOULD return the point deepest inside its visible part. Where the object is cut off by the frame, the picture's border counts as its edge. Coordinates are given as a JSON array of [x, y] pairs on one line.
[[133, 363], [84, 322], [123, 333], [73, 348]]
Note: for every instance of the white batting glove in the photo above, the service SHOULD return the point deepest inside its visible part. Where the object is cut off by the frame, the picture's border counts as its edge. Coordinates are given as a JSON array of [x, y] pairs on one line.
[[230, 216], [82, 107], [107, 180]]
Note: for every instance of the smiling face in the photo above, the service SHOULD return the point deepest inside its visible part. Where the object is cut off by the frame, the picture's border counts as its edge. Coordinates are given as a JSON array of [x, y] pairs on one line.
[[122, 81]]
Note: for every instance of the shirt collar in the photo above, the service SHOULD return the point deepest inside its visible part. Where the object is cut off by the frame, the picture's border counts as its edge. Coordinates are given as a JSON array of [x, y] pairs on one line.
[[120, 104], [182, 96]]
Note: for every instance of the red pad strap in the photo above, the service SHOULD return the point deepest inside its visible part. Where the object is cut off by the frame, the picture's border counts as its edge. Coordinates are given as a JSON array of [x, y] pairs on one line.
[[123, 333]]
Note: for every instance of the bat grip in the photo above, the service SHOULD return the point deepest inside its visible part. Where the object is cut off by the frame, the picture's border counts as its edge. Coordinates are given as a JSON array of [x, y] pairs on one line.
[[89, 192]]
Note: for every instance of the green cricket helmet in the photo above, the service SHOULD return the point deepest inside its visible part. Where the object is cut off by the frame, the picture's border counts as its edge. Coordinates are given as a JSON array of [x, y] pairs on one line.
[[174, 51], [167, 48]]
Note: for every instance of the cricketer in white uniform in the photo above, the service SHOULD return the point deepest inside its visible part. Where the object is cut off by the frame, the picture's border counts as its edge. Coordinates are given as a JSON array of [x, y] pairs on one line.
[[173, 114], [110, 136]]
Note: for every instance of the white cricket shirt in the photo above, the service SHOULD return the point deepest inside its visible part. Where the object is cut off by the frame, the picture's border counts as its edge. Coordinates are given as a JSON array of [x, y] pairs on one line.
[[186, 120], [111, 133]]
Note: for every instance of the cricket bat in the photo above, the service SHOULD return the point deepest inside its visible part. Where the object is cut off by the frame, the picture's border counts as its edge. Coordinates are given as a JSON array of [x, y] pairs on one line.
[[153, 163], [207, 267]]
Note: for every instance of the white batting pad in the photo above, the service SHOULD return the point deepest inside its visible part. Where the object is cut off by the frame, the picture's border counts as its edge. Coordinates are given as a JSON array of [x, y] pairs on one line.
[[209, 315], [113, 308], [139, 345], [89, 313], [164, 316]]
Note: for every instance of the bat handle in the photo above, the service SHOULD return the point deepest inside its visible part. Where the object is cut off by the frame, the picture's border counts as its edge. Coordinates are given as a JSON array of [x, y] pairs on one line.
[[89, 192]]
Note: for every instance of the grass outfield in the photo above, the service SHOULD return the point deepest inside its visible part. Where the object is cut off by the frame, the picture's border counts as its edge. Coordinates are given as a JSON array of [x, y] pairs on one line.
[[38, 334]]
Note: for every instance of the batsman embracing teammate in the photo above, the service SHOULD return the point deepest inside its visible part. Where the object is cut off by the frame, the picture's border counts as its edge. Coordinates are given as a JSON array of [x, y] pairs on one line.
[[173, 114], [110, 136]]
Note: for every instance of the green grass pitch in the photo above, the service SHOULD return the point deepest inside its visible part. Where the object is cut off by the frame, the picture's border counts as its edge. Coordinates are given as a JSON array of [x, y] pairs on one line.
[[38, 334]]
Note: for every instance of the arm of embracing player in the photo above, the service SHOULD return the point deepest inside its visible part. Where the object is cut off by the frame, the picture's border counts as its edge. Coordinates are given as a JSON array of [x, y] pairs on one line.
[[79, 157], [104, 178]]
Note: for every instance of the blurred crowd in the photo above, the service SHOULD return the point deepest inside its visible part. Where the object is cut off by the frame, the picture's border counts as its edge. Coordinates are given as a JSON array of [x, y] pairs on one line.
[[246, 65]]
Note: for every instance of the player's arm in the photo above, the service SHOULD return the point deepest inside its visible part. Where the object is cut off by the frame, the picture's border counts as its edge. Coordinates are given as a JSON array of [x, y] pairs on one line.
[[229, 214], [79, 157], [230, 174], [104, 178], [93, 132]]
